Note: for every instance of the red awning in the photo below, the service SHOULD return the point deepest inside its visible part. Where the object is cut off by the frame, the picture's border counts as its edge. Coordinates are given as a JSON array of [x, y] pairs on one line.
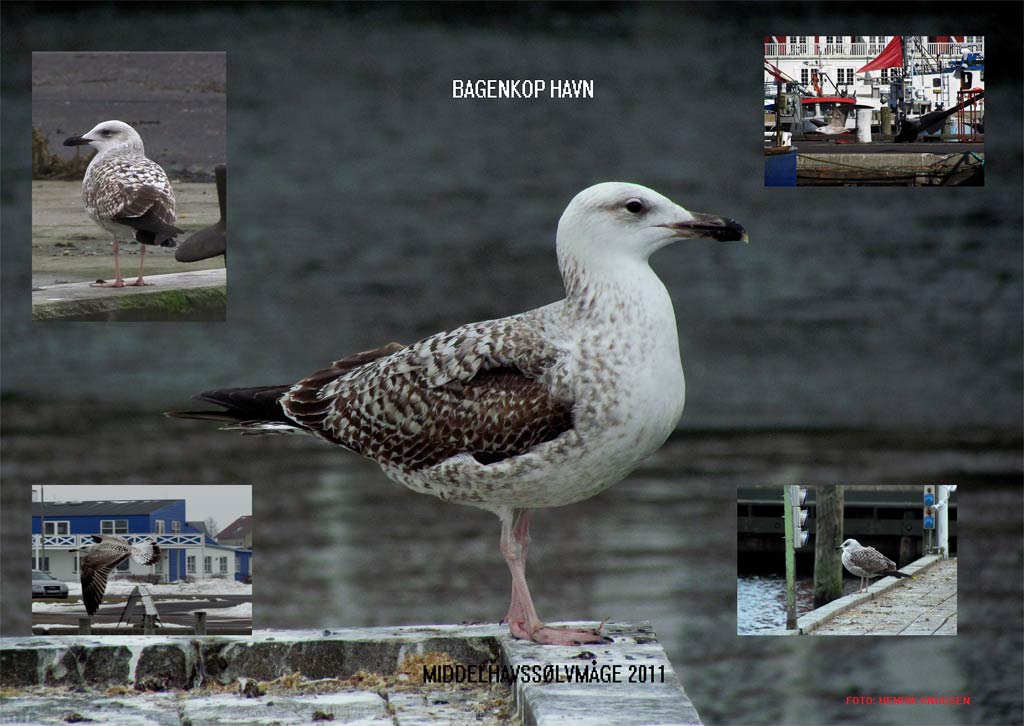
[[890, 57]]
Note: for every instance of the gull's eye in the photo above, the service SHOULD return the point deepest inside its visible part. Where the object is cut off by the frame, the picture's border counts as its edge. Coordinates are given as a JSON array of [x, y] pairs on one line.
[[634, 206], [106, 132]]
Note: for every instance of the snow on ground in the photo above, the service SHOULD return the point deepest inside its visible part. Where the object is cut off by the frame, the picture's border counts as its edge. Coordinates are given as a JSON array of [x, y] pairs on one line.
[[55, 607], [212, 586]]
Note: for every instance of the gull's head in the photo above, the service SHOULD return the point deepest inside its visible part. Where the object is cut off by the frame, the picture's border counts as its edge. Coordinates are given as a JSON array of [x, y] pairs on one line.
[[108, 135], [623, 220], [850, 544]]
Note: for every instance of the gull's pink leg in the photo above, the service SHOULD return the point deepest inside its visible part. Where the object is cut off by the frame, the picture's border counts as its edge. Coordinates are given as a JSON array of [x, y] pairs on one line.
[[522, 616], [118, 281], [142, 259]]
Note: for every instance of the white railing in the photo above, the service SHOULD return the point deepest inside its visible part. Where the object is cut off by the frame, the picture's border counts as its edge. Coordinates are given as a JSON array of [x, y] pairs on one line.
[[772, 50], [867, 50], [955, 49], [72, 541]]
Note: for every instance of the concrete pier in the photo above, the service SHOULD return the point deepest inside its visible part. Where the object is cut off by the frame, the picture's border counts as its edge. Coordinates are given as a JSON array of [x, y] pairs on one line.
[[923, 605], [198, 295], [409, 675], [894, 168]]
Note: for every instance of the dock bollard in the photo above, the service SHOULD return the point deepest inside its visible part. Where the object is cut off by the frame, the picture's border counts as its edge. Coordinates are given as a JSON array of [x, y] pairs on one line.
[[864, 125], [200, 626], [84, 626]]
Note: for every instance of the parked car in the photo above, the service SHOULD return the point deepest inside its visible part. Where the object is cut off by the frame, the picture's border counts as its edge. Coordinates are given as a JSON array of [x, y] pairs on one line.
[[46, 585]]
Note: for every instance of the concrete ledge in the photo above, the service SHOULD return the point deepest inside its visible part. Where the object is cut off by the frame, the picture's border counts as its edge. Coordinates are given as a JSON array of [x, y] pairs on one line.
[[199, 295], [816, 618], [920, 168], [628, 681]]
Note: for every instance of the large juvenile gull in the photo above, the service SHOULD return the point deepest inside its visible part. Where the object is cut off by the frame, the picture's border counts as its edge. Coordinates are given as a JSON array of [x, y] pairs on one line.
[[540, 409], [125, 193], [101, 558], [866, 562]]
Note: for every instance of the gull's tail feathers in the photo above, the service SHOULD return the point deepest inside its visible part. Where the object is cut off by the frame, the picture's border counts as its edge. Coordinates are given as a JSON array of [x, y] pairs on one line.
[[250, 410]]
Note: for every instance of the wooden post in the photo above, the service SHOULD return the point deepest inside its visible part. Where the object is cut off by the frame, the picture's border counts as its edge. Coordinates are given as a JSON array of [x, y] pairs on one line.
[[886, 115], [149, 624], [787, 525], [828, 534], [200, 626], [84, 626]]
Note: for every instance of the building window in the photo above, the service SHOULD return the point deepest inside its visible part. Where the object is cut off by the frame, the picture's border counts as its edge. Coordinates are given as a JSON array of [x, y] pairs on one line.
[[41, 564], [159, 526], [238, 564], [158, 568], [805, 76], [175, 525], [125, 565], [224, 565], [52, 527], [208, 565], [190, 564], [113, 526]]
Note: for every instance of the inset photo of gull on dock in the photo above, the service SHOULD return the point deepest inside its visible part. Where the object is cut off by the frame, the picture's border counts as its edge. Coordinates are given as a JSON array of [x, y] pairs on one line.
[[129, 186], [142, 560], [847, 560], [874, 110]]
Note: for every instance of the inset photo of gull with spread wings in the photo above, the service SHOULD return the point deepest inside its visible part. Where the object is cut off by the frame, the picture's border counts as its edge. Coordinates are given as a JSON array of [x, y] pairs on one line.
[[129, 186], [142, 560], [847, 560]]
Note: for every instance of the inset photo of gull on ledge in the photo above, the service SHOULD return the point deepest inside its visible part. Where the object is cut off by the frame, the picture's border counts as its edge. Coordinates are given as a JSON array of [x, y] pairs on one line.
[[874, 110], [142, 560], [847, 560], [129, 184]]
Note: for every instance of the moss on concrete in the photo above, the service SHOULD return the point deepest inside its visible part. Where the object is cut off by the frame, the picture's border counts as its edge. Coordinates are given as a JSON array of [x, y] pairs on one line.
[[207, 303]]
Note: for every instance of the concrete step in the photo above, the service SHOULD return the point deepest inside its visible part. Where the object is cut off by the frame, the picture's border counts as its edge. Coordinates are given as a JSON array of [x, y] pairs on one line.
[[179, 296], [414, 675]]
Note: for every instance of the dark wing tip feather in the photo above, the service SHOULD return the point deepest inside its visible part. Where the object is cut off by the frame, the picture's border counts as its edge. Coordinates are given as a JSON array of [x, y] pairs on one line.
[[260, 403]]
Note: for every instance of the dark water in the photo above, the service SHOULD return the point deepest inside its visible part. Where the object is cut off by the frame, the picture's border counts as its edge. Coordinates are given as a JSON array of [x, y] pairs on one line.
[[369, 206], [339, 545], [761, 602]]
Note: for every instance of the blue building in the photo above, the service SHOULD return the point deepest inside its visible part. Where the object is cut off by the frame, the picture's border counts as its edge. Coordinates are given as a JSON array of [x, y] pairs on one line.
[[187, 550]]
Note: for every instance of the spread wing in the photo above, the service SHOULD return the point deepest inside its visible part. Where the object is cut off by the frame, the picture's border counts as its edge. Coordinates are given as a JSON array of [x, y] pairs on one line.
[[479, 390], [97, 565]]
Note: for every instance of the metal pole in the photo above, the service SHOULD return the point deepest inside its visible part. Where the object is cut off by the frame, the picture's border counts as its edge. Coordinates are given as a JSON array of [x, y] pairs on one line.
[[778, 111], [942, 520], [787, 513], [42, 527]]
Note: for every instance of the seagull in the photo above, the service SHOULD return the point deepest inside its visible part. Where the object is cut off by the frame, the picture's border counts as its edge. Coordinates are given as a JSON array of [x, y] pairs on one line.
[[125, 193], [107, 553], [866, 562], [541, 409]]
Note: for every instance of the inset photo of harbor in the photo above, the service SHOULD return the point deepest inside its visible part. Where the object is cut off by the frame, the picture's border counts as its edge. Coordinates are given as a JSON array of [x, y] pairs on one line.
[[874, 110], [129, 186], [142, 560], [847, 560]]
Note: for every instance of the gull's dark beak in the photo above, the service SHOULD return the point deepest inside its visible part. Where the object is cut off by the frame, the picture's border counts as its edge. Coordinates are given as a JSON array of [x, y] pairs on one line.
[[76, 141], [722, 229]]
